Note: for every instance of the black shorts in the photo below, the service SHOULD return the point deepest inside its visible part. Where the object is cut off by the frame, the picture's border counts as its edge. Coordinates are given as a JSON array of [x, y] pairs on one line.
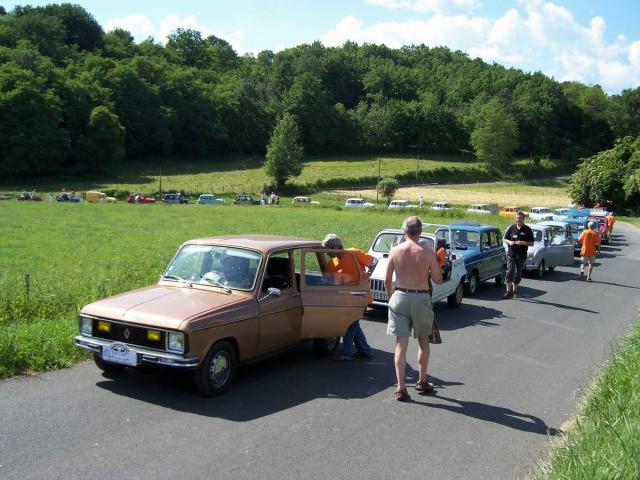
[[515, 267]]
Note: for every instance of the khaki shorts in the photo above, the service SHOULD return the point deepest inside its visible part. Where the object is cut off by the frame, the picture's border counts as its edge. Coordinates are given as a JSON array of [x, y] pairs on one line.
[[588, 260], [409, 311]]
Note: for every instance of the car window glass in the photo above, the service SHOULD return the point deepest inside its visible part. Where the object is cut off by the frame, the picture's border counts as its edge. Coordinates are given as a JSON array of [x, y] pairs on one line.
[[330, 269], [538, 235], [464, 238], [385, 241], [278, 272]]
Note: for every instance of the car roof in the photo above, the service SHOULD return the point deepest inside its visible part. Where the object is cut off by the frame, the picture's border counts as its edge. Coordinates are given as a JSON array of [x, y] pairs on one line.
[[552, 223], [263, 243], [471, 226]]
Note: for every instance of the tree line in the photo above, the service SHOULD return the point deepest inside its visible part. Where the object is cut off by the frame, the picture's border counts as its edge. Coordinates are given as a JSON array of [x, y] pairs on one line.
[[76, 99]]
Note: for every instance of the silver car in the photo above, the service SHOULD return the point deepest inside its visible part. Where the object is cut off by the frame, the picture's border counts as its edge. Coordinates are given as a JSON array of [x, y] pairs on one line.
[[552, 247]]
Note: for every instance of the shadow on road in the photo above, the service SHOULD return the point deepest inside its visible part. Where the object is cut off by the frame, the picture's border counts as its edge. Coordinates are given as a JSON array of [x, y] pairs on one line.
[[554, 304], [292, 378], [490, 413]]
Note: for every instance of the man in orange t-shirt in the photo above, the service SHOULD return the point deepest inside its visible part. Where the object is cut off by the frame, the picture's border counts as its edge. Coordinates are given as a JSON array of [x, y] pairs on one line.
[[347, 273], [611, 220], [590, 241]]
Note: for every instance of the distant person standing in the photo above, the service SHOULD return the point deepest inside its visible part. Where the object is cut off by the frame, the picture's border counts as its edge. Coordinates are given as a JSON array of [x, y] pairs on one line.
[[410, 308], [518, 237], [421, 201], [590, 241], [611, 220]]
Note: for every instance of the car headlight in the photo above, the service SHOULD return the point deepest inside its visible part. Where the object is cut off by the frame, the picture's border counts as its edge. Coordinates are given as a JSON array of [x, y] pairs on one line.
[[175, 342], [86, 325], [529, 256]]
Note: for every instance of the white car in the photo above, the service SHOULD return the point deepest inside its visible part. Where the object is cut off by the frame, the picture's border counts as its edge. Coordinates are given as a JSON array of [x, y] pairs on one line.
[[401, 204], [357, 203], [441, 206], [303, 201], [452, 288], [560, 214], [483, 209], [541, 213], [209, 199]]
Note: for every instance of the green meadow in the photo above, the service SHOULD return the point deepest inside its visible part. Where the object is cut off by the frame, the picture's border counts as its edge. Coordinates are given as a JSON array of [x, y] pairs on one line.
[[246, 174], [57, 257]]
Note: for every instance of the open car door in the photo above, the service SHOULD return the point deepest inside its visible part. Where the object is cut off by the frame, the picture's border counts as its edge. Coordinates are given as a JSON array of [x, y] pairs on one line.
[[334, 292]]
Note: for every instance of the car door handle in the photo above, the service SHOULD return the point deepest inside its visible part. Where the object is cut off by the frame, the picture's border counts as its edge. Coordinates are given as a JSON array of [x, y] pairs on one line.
[[358, 294]]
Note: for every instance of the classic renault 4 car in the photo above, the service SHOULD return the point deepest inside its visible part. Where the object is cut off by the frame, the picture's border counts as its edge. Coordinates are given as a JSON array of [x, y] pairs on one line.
[[222, 302], [453, 269], [481, 247]]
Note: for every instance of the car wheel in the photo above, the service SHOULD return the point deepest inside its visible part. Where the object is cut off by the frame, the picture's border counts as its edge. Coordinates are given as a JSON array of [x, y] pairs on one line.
[[472, 287], [326, 346], [540, 270], [501, 277], [217, 372], [455, 299], [107, 367]]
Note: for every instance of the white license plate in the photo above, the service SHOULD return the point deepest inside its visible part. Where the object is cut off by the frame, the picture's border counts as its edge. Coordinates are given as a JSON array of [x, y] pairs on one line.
[[379, 296], [120, 353]]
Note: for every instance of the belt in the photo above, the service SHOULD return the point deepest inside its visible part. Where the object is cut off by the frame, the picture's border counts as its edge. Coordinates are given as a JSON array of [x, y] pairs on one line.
[[412, 290]]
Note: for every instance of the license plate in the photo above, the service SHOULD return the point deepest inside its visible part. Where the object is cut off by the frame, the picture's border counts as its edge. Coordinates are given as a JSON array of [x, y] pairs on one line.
[[120, 353], [379, 296]]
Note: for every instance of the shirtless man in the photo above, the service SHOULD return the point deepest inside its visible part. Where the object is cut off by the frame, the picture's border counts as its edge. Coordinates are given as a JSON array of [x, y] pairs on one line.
[[410, 302]]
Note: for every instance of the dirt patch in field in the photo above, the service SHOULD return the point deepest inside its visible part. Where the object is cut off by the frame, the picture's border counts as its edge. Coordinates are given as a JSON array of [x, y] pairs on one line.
[[463, 196]]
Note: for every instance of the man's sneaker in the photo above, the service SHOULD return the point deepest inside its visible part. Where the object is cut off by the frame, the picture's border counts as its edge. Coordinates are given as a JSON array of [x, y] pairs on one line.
[[508, 294], [580, 275]]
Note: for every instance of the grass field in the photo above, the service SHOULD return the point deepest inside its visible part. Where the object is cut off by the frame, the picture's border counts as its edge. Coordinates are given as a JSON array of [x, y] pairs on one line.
[[246, 175], [56, 257], [604, 441], [550, 194]]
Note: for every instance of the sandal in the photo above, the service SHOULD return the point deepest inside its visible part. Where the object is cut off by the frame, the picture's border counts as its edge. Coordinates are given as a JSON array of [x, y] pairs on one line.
[[402, 395], [425, 387]]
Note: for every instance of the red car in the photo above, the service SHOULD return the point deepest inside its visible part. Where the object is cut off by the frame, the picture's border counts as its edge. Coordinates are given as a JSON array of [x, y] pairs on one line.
[[140, 198], [603, 227]]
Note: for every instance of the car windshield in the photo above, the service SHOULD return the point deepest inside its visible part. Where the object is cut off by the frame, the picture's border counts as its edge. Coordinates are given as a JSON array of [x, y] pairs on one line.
[[465, 239], [385, 241], [226, 267]]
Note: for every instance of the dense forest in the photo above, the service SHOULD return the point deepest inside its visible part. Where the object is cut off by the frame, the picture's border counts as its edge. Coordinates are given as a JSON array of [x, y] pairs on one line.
[[77, 99]]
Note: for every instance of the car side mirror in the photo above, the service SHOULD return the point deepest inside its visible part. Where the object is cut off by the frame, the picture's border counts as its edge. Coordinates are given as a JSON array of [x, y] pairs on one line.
[[272, 292]]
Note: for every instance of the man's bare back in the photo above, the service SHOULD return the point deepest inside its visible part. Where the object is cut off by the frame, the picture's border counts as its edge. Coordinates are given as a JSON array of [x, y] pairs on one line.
[[413, 265]]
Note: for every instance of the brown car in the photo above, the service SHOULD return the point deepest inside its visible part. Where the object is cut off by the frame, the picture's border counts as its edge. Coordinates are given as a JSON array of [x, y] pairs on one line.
[[224, 301]]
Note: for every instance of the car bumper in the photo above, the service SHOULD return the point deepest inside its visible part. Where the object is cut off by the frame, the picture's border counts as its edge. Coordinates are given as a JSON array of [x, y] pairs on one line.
[[145, 355]]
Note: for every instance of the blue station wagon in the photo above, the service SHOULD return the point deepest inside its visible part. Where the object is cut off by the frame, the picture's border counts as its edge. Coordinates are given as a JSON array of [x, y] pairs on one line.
[[482, 250]]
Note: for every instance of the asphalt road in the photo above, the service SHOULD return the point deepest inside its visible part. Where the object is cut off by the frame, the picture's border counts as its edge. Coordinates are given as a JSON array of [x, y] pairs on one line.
[[509, 373]]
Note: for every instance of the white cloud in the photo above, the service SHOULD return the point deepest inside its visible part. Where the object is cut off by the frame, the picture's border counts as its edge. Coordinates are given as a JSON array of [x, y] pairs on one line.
[[171, 23], [428, 6], [138, 25], [538, 35]]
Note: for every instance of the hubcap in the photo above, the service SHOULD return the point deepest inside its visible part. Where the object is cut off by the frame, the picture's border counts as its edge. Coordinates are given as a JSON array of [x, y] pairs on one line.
[[219, 369], [459, 294], [473, 283]]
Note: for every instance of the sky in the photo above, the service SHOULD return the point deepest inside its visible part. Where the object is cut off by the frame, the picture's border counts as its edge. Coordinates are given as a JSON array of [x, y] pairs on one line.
[[591, 41]]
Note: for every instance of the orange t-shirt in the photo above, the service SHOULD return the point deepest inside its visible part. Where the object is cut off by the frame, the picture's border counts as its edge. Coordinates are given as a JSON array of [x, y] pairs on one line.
[[441, 256], [589, 239], [611, 220], [347, 268]]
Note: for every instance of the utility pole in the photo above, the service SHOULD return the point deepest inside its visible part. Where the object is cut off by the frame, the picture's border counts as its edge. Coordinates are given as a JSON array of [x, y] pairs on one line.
[[378, 180]]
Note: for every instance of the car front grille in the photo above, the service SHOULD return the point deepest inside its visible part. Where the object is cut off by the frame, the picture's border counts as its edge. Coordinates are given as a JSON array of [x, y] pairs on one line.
[[378, 291], [130, 334]]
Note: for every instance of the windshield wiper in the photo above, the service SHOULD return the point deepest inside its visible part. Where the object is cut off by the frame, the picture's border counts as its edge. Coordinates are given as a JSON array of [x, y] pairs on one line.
[[179, 279], [217, 284]]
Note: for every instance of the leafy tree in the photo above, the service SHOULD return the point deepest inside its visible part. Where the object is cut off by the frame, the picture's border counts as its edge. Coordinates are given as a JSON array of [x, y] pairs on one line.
[[495, 136], [387, 187], [102, 148], [284, 152], [625, 113]]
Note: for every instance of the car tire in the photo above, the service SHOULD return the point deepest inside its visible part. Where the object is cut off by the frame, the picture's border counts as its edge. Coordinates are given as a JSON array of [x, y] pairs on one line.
[[500, 279], [540, 270], [107, 367], [472, 287], [455, 299], [217, 372]]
